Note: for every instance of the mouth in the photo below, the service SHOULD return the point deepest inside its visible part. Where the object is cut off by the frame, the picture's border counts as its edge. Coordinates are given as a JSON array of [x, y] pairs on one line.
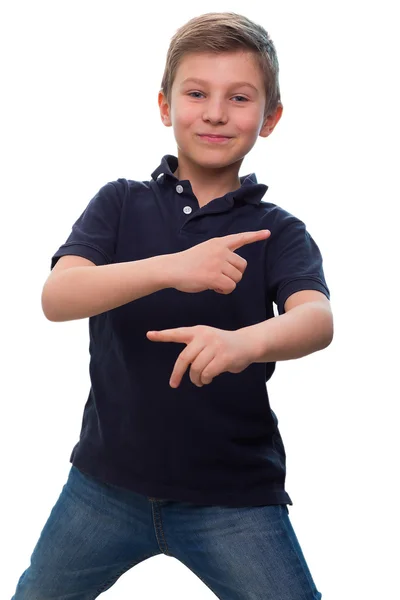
[[214, 138]]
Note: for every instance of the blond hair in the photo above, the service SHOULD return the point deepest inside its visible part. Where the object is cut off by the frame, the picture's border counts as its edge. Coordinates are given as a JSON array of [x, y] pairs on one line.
[[225, 32]]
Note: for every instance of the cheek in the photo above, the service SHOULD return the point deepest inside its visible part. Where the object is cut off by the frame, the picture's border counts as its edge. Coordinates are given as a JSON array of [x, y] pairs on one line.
[[249, 122], [183, 115]]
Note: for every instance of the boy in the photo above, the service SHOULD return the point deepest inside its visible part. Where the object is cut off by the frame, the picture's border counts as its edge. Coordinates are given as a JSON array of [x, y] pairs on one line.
[[180, 452]]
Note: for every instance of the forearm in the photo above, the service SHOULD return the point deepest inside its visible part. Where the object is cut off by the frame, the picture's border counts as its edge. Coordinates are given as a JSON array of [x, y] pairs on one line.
[[81, 292], [301, 331]]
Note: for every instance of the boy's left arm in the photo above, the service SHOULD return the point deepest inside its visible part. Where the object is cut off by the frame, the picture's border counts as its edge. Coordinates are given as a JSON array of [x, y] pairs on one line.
[[304, 328]]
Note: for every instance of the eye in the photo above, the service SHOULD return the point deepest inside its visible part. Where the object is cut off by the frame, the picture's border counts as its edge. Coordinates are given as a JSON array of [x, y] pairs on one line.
[[243, 98]]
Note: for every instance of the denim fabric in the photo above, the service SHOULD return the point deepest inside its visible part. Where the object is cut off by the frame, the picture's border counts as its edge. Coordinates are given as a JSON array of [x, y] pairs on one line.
[[96, 532]]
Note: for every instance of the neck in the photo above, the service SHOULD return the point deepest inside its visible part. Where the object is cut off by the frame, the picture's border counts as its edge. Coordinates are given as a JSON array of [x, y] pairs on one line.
[[208, 183]]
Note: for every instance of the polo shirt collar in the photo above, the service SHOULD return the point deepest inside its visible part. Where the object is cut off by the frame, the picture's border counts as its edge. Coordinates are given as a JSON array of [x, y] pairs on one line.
[[250, 191]]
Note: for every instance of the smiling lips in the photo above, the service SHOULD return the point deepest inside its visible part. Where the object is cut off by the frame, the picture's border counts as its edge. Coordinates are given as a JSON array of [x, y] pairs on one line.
[[214, 138], [213, 135]]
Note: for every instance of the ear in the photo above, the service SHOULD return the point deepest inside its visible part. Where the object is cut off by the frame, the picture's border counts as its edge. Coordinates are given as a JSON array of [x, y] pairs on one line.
[[270, 122], [164, 109]]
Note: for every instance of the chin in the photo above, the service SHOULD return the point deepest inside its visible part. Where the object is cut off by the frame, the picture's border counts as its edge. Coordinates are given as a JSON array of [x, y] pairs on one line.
[[216, 162], [209, 157]]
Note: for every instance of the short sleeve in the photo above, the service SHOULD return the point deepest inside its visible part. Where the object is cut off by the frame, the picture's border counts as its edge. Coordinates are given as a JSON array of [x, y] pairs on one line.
[[294, 263], [94, 234]]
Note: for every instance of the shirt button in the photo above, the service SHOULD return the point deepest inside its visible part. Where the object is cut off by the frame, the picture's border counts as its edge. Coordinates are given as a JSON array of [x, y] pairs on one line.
[[187, 210], [179, 189]]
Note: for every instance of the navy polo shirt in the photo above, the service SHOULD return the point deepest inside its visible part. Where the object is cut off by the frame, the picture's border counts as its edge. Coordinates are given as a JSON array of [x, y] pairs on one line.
[[218, 444]]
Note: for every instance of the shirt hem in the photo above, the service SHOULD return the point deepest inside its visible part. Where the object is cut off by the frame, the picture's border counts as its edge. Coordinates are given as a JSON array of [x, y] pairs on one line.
[[263, 495]]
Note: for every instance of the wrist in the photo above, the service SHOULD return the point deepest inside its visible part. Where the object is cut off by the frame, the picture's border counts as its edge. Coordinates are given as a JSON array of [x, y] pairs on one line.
[[164, 269], [249, 343]]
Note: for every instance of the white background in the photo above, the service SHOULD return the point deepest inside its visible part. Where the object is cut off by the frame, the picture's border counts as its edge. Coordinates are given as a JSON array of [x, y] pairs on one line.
[[79, 108]]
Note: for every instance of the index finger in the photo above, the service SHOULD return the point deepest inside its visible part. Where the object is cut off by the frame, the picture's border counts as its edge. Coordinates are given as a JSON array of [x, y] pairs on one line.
[[236, 240]]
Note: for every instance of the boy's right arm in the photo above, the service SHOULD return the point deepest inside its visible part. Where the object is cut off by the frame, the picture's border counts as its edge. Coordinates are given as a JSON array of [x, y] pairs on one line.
[[78, 292]]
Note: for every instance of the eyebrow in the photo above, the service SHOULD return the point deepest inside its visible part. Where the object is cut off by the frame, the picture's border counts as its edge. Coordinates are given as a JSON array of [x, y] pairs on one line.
[[234, 84]]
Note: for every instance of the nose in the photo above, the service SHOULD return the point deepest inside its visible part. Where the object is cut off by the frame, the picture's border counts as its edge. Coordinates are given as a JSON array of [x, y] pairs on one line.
[[215, 111]]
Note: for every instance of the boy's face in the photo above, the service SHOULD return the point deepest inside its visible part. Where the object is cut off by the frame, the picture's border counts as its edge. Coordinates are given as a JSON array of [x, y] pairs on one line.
[[220, 106]]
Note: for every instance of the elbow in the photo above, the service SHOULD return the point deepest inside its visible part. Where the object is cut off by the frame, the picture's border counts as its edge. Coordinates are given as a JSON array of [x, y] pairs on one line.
[[48, 305], [329, 334]]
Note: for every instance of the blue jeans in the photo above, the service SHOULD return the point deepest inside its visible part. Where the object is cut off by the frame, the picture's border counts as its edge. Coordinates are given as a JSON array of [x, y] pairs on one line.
[[96, 532]]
